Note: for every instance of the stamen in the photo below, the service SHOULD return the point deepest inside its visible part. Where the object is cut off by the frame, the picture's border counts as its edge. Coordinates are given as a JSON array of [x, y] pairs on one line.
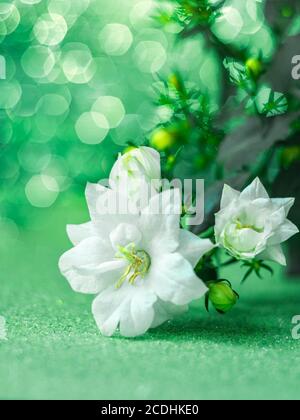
[[241, 226], [139, 264]]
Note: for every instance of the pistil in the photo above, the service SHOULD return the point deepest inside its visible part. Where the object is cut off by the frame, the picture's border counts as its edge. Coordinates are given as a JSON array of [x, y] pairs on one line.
[[139, 264]]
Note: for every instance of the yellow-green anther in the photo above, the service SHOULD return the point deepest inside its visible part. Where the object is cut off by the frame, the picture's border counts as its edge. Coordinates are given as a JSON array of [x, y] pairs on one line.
[[139, 264], [241, 226]]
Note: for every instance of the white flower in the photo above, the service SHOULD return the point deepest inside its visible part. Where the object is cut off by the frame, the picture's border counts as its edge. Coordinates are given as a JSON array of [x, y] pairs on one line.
[[135, 172], [141, 267], [3, 334], [251, 224]]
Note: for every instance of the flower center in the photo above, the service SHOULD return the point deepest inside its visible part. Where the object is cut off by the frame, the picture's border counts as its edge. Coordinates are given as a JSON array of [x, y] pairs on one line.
[[240, 226], [139, 264]]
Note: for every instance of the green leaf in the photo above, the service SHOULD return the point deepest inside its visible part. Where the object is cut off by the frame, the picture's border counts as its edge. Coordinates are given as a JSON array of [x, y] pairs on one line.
[[229, 262], [209, 233], [268, 268], [220, 312], [255, 266], [207, 301], [271, 103], [247, 275], [237, 71]]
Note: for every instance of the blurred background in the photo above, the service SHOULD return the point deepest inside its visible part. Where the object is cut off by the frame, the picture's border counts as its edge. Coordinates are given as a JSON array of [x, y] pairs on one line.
[[85, 79]]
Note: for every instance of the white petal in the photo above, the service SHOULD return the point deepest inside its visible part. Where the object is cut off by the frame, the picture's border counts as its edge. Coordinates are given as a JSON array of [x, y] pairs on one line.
[[160, 222], [93, 192], [165, 311], [228, 196], [90, 267], [285, 232], [222, 218], [151, 161], [78, 233], [173, 279], [192, 248], [254, 191], [3, 333], [226, 215], [140, 316], [286, 203], [130, 308], [114, 176], [135, 172], [125, 234], [107, 309], [276, 219], [274, 253], [244, 240], [108, 209], [143, 161], [89, 253]]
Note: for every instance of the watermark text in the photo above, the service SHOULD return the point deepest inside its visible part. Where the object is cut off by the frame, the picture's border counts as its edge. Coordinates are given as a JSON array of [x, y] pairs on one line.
[[296, 328]]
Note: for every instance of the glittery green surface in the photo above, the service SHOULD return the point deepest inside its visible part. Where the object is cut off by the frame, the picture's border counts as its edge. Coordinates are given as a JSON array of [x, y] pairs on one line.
[[55, 351]]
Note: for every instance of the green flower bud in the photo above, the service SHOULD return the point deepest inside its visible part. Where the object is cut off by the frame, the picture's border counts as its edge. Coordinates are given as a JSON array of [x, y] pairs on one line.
[[222, 296], [254, 66], [162, 139]]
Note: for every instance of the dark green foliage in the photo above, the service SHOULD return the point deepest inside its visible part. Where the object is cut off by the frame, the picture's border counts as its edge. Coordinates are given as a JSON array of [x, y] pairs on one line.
[[254, 131]]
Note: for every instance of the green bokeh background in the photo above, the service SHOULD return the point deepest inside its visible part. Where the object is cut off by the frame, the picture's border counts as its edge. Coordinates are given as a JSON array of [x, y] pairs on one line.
[[65, 57], [51, 145]]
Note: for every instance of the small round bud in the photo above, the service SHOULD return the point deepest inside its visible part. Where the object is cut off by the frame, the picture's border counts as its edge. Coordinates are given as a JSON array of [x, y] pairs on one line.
[[254, 66], [162, 139], [222, 296]]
